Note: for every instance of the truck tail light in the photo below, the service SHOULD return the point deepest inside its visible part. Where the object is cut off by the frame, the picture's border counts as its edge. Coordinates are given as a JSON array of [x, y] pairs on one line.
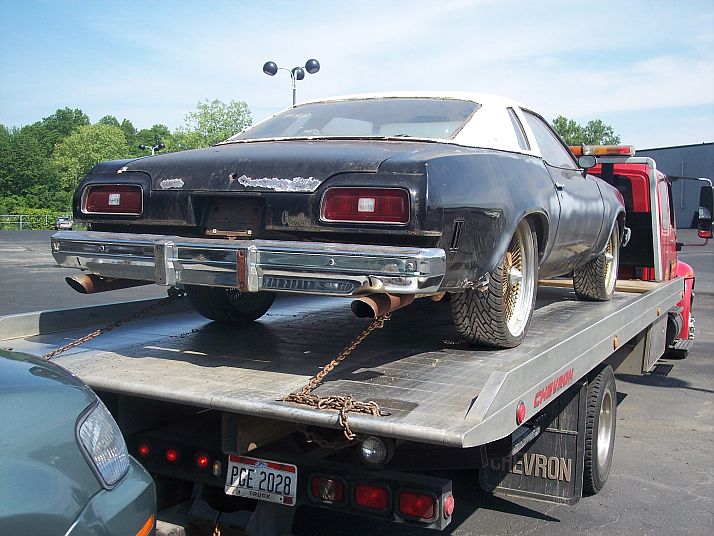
[[368, 205], [144, 449], [372, 497], [202, 460], [328, 489], [172, 455], [112, 199], [418, 505]]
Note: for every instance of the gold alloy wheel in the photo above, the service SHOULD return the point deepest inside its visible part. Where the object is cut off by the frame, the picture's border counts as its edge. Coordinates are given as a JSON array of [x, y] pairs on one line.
[[612, 253], [518, 280]]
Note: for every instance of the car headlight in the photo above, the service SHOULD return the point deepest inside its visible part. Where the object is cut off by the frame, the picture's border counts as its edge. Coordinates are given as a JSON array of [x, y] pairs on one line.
[[104, 446]]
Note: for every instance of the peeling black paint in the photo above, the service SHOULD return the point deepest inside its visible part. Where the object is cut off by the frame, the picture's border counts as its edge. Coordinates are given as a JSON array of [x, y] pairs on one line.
[[489, 191]]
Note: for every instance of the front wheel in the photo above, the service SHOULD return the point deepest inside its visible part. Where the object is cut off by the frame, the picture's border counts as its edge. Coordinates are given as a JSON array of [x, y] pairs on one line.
[[499, 315], [228, 305], [596, 280]]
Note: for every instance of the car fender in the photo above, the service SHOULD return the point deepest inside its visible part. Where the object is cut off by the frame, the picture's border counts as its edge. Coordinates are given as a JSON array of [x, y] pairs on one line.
[[490, 192], [614, 214]]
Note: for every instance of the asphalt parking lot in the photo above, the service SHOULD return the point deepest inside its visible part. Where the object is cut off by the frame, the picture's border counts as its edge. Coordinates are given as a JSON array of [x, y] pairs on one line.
[[659, 482]]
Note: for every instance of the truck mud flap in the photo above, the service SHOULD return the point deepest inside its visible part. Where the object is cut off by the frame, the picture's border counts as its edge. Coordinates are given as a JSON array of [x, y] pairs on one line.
[[549, 467]]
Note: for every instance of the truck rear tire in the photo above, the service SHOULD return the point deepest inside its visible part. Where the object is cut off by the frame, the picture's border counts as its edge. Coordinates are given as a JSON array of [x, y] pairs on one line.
[[600, 420], [597, 279], [229, 305], [500, 314]]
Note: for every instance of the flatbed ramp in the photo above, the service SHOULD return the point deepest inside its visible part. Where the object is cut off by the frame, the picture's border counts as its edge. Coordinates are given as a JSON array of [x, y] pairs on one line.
[[434, 388]]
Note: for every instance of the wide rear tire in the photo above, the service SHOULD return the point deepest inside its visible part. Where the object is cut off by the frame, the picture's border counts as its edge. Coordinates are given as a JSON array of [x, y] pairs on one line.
[[499, 315], [600, 420], [597, 279], [229, 306]]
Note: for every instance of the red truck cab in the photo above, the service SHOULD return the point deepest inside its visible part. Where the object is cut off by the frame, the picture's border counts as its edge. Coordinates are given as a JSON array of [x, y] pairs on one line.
[[651, 254]]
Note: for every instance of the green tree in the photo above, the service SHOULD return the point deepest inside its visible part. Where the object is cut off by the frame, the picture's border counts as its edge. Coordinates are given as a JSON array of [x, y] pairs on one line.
[[80, 151], [5, 143], [212, 122], [571, 132], [129, 132], [594, 133], [59, 125], [598, 133], [109, 120], [25, 163]]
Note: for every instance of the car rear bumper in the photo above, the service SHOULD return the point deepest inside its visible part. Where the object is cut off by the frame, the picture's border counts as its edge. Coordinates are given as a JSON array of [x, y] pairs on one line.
[[254, 265]]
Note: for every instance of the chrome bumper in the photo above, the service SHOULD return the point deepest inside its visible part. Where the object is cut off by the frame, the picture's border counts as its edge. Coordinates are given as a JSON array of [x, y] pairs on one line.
[[254, 265]]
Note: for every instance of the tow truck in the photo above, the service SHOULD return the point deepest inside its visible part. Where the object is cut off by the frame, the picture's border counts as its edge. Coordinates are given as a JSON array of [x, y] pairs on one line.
[[204, 407]]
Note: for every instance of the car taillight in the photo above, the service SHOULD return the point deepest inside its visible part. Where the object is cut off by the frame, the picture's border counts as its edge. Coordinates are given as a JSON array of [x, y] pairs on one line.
[[112, 199], [418, 505], [374, 497], [373, 205]]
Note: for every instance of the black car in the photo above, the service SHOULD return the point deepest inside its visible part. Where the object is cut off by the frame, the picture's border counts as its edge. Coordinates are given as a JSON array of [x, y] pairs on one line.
[[379, 197]]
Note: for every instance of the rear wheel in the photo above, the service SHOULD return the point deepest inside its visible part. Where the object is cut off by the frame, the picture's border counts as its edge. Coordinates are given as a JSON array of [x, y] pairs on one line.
[[229, 305], [600, 419], [596, 280], [500, 314]]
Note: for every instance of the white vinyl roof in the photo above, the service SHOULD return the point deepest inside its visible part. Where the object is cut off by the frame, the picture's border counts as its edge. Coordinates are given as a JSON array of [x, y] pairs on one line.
[[489, 128]]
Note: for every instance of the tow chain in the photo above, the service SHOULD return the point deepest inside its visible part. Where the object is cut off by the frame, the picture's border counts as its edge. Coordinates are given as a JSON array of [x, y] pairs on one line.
[[172, 296], [343, 404]]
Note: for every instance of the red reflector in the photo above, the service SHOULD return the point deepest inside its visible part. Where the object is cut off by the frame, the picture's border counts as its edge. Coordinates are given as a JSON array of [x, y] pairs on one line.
[[416, 505], [375, 497], [376, 205], [172, 455], [520, 413], [112, 199], [449, 506], [328, 489], [144, 450], [202, 460]]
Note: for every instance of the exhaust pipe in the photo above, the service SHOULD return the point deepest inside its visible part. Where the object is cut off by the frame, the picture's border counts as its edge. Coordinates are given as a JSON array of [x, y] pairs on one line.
[[91, 284], [380, 304]]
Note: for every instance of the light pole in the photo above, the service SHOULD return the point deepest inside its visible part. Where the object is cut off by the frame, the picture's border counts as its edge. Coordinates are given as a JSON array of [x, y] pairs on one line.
[[296, 73], [154, 148]]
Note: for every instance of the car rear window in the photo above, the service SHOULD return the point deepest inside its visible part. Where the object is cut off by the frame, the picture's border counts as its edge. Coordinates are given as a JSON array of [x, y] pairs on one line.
[[386, 117]]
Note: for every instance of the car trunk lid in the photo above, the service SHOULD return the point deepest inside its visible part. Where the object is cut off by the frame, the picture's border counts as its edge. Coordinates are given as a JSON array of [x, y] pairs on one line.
[[289, 166]]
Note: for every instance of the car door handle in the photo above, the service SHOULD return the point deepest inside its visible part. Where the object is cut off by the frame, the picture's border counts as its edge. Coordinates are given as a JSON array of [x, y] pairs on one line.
[[559, 186]]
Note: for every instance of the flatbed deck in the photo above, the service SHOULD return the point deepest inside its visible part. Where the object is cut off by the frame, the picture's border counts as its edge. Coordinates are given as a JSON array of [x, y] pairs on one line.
[[436, 389]]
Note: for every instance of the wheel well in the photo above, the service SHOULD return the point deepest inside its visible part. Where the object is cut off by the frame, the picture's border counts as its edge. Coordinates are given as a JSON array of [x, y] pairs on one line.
[[540, 226], [621, 223]]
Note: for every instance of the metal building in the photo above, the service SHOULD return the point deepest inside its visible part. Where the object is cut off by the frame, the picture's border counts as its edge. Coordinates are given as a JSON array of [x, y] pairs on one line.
[[684, 161]]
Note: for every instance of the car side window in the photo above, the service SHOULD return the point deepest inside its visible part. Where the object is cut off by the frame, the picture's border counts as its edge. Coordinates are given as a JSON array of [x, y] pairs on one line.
[[552, 149], [520, 133]]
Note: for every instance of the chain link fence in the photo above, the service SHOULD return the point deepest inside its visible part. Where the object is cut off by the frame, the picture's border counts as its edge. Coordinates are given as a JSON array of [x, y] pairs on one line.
[[25, 222]]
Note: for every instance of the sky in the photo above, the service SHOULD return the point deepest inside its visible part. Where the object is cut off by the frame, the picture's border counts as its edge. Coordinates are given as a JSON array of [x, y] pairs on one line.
[[644, 67]]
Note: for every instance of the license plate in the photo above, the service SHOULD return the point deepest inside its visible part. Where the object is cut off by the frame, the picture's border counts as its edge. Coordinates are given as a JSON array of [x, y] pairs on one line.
[[261, 479]]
